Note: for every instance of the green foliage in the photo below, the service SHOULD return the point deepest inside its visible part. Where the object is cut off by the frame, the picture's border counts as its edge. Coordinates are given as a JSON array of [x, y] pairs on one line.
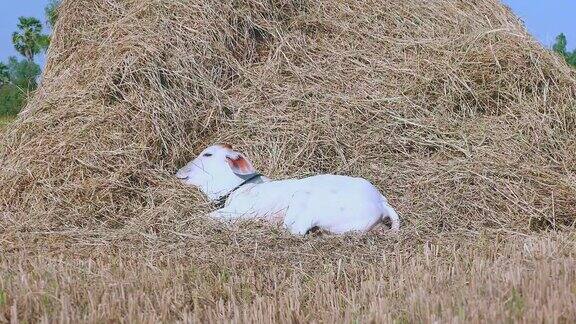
[[560, 47], [20, 79], [11, 100], [4, 74], [23, 73], [29, 40], [51, 12]]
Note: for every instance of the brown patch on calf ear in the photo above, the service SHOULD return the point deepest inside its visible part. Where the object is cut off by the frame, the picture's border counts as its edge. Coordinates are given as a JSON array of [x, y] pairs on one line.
[[240, 165], [226, 146]]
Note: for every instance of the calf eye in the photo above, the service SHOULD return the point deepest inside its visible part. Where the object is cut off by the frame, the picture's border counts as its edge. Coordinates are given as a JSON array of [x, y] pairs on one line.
[[207, 154]]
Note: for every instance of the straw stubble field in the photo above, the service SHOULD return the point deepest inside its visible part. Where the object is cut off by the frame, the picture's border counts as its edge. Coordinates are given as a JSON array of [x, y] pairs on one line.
[[450, 107], [98, 277]]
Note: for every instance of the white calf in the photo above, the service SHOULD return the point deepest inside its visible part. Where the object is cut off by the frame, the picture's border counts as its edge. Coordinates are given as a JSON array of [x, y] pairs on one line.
[[334, 203]]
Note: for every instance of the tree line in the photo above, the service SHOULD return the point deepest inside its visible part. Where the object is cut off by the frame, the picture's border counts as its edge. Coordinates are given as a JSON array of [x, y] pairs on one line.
[[19, 76]]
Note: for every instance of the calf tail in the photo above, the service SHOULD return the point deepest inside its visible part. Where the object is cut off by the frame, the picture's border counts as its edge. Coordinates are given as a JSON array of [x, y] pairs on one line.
[[391, 214]]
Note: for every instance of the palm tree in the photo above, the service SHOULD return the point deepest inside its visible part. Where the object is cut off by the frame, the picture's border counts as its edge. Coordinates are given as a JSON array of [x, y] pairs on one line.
[[29, 40]]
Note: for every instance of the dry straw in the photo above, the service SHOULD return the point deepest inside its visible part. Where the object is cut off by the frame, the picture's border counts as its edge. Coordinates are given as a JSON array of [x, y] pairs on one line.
[[449, 107]]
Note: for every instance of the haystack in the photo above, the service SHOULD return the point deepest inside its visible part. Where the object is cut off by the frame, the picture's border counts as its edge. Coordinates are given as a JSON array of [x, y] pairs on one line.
[[450, 107]]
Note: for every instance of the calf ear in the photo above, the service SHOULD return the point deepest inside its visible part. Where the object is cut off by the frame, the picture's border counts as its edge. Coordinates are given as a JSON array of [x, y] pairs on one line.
[[239, 164]]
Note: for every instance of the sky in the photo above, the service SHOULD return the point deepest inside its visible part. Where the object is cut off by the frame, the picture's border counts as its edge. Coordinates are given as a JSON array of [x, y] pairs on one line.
[[544, 19]]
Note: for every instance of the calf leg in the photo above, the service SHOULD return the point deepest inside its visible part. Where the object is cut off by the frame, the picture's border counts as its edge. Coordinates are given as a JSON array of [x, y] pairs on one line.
[[223, 214], [298, 227], [298, 219]]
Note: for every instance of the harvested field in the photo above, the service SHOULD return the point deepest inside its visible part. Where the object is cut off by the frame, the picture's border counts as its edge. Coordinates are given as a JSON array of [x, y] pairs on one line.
[[102, 277], [450, 107]]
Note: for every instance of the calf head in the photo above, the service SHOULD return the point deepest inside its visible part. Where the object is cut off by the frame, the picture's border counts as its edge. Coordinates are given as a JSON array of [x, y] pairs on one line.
[[216, 171]]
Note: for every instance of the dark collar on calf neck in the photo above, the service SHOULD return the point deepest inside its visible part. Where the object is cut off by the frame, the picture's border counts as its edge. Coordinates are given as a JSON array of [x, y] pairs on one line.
[[253, 178]]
